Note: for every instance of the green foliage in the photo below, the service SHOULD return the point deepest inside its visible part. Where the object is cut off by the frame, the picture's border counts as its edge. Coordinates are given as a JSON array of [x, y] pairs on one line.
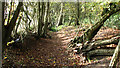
[[54, 28], [66, 24], [60, 27], [113, 21], [73, 23]]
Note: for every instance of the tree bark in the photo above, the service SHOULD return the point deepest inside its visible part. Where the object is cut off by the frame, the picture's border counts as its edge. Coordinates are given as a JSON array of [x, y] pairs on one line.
[[39, 23], [9, 14], [102, 52], [18, 25], [46, 20], [3, 6], [42, 18], [3, 20]]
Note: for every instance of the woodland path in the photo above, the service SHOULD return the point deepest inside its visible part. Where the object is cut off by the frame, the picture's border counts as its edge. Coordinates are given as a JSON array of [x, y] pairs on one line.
[[53, 52]]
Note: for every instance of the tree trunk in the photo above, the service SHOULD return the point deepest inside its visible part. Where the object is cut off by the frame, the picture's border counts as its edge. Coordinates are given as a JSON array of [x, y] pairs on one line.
[[70, 20], [18, 25], [8, 29], [115, 57], [78, 13], [9, 14], [3, 6], [39, 23], [91, 32], [26, 13], [3, 27], [1, 55], [46, 20], [60, 16], [42, 17]]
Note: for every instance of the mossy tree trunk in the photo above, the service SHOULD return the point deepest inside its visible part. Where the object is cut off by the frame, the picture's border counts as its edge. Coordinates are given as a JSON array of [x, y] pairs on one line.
[[92, 31], [84, 45]]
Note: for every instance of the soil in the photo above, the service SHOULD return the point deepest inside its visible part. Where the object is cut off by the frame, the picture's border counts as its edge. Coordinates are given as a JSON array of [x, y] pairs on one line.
[[53, 52]]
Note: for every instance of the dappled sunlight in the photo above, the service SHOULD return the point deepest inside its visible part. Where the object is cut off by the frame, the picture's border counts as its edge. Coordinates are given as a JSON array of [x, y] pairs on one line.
[[53, 51], [106, 33], [60, 34]]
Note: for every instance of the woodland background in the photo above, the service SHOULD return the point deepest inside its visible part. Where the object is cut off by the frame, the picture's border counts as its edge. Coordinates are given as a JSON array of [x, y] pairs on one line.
[[60, 34]]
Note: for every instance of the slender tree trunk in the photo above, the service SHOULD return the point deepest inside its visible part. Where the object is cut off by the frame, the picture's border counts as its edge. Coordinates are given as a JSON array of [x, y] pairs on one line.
[[28, 19], [42, 18], [115, 57], [18, 25], [60, 18], [39, 23], [63, 21], [69, 20], [78, 13], [9, 14], [3, 8]]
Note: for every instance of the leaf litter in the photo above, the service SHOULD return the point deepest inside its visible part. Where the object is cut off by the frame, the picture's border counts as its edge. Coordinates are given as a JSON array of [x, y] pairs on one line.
[[52, 52]]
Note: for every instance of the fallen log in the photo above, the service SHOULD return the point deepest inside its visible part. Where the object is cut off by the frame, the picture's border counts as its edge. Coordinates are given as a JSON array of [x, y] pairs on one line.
[[102, 52], [100, 43], [89, 46]]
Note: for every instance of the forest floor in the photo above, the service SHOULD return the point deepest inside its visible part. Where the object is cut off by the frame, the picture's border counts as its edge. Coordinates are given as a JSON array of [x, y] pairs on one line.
[[53, 52]]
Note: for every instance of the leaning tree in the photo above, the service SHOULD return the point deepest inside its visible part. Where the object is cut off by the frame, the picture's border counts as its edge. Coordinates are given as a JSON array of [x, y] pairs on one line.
[[84, 43]]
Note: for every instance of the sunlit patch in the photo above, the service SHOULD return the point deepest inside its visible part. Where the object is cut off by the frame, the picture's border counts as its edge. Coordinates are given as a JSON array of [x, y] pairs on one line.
[[5, 57]]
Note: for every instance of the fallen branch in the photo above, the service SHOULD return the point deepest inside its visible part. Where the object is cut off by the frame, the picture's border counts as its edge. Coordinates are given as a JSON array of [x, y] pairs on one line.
[[101, 52], [100, 43]]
